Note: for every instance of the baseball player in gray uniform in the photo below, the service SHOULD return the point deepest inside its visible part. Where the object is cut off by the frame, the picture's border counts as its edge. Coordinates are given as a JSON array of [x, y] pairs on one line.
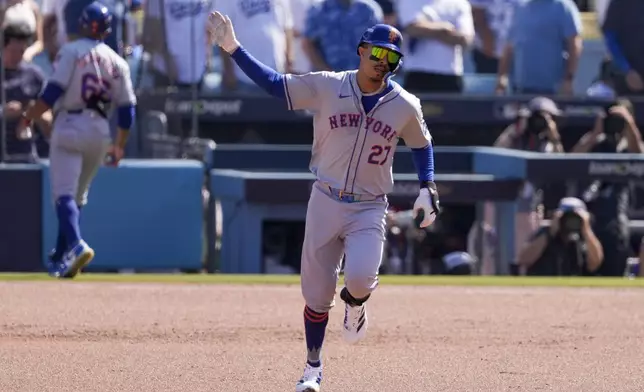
[[358, 118], [89, 79]]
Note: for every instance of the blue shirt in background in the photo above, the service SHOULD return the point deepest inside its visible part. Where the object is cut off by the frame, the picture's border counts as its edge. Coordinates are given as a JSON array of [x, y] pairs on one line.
[[74, 9], [337, 29], [538, 35]]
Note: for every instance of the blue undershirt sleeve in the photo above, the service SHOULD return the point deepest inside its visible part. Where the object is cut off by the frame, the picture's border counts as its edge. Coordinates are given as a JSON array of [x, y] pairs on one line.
[[616, 52], [268, 79], [125, 116], [51, 93], [424, 162]]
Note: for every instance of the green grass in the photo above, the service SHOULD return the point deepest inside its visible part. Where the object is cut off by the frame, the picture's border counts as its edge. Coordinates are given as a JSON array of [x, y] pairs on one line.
[[505, 281]]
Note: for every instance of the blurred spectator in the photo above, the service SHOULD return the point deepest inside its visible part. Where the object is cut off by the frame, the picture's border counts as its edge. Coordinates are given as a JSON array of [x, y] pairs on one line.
[[535, 129], [299, 9], [26, 13], [73, 9], [543, 49], [567, 248], [396, 250], [614, 131], [134, 24], [388, 11], [267, 33], [22, 84], [53, 19], [458, 263], [333, 30], [174, 37], [45, 58], [600, 10], [439, 30], [609, 201], [492, 20], [603, 87], [623, 30]]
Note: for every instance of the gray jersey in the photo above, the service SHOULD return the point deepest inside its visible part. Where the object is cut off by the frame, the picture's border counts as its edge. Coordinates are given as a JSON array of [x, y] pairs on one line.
[[352, 150], [85, 68]]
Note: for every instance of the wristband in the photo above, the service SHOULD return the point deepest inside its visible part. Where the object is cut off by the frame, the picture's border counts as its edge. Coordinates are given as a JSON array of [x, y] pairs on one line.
[[429, 185]]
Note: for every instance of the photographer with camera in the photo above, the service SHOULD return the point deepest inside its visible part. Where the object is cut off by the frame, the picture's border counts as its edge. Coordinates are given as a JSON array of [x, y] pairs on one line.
[[567, 248], [615, 131], [535, 129]]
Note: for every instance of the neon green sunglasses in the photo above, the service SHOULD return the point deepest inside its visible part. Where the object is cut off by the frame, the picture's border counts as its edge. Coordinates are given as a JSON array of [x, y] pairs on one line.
[[380, 53]]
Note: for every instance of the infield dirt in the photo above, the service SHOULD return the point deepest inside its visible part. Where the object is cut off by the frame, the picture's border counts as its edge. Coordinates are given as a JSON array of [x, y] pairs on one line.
[[76, 336]]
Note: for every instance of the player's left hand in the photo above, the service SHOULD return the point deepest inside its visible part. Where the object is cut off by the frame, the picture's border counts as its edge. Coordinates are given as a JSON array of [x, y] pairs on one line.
[[427, 203], [114, 156]]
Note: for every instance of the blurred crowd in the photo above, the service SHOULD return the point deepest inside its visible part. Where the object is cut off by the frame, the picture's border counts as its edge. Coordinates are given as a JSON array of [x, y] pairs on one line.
[[506, 46], [509, 46], [528, 46]]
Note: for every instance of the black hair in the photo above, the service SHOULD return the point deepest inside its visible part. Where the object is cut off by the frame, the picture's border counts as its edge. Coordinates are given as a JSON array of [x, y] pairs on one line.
[[20, 32]]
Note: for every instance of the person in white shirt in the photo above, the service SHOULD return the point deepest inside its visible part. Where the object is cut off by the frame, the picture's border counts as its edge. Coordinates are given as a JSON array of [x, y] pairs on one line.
[[438, 31], [173, 35], [266, 30], [492, 21]]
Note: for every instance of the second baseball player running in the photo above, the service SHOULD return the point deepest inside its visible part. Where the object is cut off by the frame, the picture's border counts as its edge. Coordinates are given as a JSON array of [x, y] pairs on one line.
[[358, 118], [89, 79]]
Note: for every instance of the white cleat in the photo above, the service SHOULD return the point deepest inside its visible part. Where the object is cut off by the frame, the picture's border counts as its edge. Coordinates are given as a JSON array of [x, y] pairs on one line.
[[355, 323], [311, 380]]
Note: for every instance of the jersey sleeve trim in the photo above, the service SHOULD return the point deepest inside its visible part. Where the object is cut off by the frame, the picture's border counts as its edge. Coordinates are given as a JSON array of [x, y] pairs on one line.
[[51, 93]]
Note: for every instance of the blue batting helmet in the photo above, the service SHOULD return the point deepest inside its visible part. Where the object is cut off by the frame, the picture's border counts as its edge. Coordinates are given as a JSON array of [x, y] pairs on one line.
[[384, 36], [96, 20]]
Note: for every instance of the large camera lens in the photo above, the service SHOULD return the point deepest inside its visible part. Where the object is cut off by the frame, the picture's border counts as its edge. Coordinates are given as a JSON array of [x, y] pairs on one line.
[[614, 124], [570, 223], [537, 123]]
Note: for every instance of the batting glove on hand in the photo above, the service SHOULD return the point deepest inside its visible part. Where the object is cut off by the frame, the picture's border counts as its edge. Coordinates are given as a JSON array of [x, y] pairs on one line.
[[220, 29], [427, 206]]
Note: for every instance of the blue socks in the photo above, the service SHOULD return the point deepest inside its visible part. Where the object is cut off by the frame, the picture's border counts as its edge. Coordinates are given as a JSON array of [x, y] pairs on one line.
[[61, 245], [314, 328], [61, 241], [68, 222]]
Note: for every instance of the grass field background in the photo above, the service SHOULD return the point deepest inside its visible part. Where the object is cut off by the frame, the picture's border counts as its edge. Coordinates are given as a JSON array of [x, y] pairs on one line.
[[425, 280]]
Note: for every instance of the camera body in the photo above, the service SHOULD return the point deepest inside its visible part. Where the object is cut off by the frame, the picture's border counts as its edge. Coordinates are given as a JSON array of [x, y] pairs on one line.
[[613, 124], [570, 225], [536, 123]]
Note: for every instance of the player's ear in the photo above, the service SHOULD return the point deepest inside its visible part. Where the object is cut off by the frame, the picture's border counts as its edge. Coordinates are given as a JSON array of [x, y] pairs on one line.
[[361, 50]]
